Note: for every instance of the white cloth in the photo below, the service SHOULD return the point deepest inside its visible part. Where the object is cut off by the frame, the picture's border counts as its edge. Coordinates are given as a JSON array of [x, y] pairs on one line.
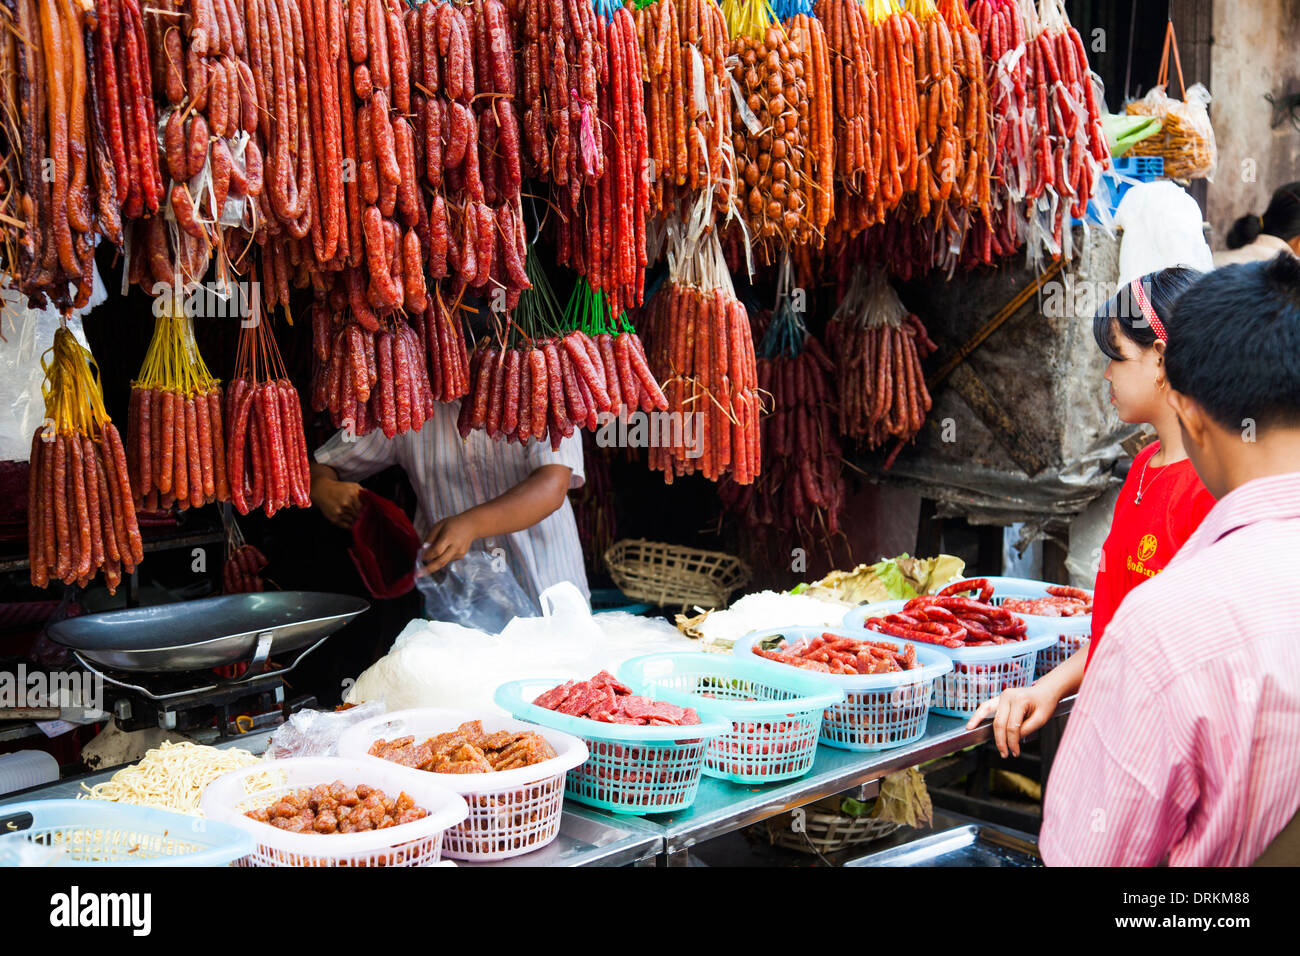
[[1264, 247], [451, 475], [1162, 228]]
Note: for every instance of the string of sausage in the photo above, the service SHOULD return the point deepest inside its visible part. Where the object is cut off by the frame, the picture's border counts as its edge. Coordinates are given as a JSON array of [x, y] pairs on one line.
[[267, 465], [547, 391], [242, 572], [801, 485], [80, 516], [703, 353], [175, 449]]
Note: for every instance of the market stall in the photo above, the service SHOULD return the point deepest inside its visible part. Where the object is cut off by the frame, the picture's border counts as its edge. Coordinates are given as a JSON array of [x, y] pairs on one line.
[[720, 267]]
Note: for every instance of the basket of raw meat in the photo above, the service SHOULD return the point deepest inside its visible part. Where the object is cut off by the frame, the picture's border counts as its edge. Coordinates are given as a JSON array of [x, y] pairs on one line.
[[645, 756], [510, 773], [1048, 609], [776, 717], [329, 811], [990, 647], [886, 682]]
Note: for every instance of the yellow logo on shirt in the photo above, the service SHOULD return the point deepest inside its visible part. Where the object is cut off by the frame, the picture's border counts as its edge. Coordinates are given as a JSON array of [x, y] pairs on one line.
[[1147, 547]]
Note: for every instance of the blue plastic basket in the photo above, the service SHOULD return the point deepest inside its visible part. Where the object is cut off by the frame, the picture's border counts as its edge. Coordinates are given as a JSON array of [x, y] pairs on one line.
[[631, 768], [1072, 633], [879, 711], [978, 673], [102, 833], [775, 717]]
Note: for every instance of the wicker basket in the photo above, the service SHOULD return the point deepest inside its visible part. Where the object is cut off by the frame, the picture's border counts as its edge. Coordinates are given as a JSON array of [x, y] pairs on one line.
[[669, 575], [825, 831]]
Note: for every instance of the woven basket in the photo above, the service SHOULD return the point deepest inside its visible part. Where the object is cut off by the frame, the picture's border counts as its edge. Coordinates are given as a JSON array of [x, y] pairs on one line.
[[826, 832], [669, 575]]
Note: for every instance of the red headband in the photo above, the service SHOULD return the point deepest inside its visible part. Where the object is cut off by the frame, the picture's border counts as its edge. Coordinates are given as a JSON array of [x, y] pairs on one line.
[[1149, 313]]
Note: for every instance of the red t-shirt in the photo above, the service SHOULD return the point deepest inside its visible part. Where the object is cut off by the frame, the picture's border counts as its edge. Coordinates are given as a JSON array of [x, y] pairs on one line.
[[1143, 537]]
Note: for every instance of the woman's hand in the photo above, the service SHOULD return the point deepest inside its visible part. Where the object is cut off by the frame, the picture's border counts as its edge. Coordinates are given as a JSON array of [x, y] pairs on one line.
[[1017, 712], [449, 540], [338, 501]]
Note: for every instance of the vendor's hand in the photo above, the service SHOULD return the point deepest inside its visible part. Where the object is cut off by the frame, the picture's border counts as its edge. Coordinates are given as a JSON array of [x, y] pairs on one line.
[[338, 501], [1016, 712], [449, 540]]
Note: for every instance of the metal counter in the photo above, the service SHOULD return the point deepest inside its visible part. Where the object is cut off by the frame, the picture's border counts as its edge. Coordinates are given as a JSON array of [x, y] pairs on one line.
[[723, 807]]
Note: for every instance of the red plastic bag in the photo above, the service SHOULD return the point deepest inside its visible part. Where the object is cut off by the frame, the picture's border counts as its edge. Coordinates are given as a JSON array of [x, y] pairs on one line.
[[384, 546]]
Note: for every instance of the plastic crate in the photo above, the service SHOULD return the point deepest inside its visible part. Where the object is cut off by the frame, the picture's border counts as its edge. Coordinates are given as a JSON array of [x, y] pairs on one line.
[[511, 812], [1072, 633], [630, 768], [775, 717], [978, 673], [410, 844], [1118, 180], [103, 833], [879, 711]]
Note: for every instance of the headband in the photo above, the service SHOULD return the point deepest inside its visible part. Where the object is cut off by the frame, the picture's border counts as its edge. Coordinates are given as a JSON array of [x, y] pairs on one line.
[[1148, 313]]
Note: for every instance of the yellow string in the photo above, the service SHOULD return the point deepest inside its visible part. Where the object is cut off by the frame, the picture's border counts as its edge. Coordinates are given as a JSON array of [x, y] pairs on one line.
[[172, 362], [879, 10], [922, 10], [74, 401], [750, 18]]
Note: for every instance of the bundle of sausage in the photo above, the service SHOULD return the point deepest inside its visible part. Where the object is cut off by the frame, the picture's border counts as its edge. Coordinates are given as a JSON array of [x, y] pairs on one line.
[[1069, 148], [556, 385], [80, 517], [953, 621], [68, 188], [467, 141], [123, 91], [782, 128], [175, 441], [606, 241], [857, 112], [242, 572], [878, 348], [688, 112], [369, 379], [703, 352], [833, 654], [802, 485]]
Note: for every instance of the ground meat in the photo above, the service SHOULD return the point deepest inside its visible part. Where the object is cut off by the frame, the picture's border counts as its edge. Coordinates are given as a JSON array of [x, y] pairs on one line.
[[337, 808]]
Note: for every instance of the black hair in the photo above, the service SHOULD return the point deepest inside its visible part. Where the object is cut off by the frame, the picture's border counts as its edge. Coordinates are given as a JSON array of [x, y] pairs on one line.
[[1281, 219], [1234, 344], [1122, 311]]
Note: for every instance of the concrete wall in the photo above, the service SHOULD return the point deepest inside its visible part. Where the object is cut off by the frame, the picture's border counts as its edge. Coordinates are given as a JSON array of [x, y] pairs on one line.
[[1256, 50]]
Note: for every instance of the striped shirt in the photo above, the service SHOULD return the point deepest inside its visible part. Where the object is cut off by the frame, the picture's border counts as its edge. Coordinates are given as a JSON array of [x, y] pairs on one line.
[[451, 475], [1185, 741]]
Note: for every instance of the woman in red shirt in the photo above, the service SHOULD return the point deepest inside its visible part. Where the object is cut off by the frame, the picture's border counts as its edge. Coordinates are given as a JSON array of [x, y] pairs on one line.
[[1162, 501]]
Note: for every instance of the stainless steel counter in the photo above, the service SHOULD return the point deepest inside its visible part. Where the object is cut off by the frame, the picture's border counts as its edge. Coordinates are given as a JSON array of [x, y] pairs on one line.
[[722, 806]]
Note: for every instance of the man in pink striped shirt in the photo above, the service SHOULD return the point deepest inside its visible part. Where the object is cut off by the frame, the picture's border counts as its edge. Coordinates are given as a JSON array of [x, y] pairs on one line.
[[1184, 745]]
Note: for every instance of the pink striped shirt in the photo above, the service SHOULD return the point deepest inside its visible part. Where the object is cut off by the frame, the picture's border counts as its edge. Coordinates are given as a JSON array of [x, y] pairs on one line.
[[1185, 741]]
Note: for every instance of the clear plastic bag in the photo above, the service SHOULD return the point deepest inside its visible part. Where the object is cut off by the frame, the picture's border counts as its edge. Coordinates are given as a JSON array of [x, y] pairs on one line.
[[1186, 140], [316, 733], [478, 591]]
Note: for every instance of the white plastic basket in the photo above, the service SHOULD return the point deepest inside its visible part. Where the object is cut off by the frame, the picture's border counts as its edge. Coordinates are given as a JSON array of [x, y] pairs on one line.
[[511, 812], [1072, 633], [978, 673], [409, 844], [879, 711]]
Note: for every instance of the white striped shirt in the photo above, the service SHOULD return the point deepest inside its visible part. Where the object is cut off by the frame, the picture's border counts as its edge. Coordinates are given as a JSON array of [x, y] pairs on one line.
[[1185, 740], [451, 475]]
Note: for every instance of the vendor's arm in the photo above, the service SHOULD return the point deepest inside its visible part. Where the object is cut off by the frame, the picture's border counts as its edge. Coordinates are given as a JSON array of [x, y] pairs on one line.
[[1123, 782], [339, 464], [523, 506]]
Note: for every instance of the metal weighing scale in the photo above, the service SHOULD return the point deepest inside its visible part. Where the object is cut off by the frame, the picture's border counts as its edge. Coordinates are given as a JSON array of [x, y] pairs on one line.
[[160, 662]]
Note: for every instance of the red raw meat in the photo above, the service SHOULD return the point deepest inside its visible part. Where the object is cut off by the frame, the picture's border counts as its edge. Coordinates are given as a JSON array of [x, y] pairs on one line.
[[554, 697], [606, 679]]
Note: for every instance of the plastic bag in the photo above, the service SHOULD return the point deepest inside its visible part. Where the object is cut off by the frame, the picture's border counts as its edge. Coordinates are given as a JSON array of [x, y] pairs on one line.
[[384, 545], [478, 591], [1186, 141], [1162, 228], [316, 733]]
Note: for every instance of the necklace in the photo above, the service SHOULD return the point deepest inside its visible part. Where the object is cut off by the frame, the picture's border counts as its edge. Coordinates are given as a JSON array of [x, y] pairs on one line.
[[1141, 490]]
